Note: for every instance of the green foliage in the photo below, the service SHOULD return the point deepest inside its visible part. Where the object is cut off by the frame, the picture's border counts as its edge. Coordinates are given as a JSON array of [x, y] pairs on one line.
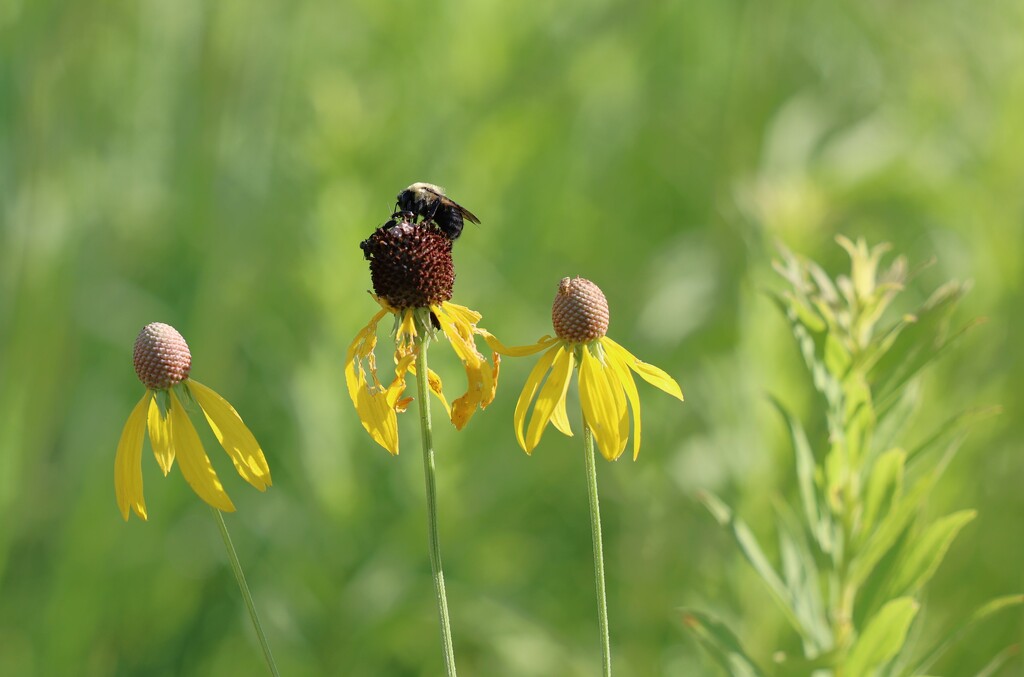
[[864, 541], [214, 165]]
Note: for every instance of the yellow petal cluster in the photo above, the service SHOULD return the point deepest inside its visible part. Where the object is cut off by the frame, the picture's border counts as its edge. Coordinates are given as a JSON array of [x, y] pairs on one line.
[[607, 391], [378, 405], [173, 436]]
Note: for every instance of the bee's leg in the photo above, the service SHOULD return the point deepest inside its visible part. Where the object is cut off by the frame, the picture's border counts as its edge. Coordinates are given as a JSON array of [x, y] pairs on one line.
[[433, 212]]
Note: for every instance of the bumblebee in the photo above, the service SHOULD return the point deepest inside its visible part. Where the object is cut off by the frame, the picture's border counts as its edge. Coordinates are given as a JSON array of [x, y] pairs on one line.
[[430, 202]]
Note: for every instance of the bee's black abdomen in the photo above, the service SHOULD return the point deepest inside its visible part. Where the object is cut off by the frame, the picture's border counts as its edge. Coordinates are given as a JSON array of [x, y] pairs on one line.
[[449, 220]]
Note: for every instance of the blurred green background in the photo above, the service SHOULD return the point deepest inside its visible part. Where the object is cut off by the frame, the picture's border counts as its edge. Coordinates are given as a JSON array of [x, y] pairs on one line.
[[215, 165]]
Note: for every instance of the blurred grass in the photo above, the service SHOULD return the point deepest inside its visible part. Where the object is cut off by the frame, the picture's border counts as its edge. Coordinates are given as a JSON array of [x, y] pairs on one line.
[[214, 166]]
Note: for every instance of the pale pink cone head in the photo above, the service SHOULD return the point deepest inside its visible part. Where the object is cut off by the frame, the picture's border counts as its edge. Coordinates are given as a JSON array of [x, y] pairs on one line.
[[161, 356]]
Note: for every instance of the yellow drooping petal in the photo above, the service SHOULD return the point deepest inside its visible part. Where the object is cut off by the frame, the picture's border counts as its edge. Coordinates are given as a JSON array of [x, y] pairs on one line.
[[128, 461], [480, 381], [625, 378], [533, 382], [160, 436], [480, 375], [550, 396], [407, 328], [436, 387], [461, 314], [517, 351], [560, 418], [192, 459], [648, 372], [622, 411], [600, 410], [378, 418], [495, 370], [397, 388], [361, 348], [237, 440], [371, 401], [458, 332]]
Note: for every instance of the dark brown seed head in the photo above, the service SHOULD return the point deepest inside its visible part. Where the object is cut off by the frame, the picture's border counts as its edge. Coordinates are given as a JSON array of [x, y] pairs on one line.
[[410, 264], [161, 356], [580, 311]]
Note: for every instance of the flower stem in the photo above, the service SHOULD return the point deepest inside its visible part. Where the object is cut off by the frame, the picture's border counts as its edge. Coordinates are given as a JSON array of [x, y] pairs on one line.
[[595, 530], [433, 541], [246, 595]]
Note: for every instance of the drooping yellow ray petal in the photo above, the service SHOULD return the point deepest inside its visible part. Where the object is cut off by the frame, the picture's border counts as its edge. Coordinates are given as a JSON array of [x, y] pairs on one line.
[[398, 385], [375, 412], [550, 395], [461, 314], [128, 461], [460, 335], [599, 408], [360, 348], [517, 351], [622, 411], [436, 387], [160, 437], [648, 372], [406, 328], [479, 379], [480, 376], [529, 390], [378, 418], [625, 378], [560, 418], [495, 370], [237, 440], [192, 459]]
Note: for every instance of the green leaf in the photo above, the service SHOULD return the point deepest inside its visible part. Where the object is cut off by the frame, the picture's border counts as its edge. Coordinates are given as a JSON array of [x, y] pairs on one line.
[[882, 638], [999, 661], [799, 666], [889, 529], [837, 357], [952, 426], [889, 427], [750, 548], [800, 571], [927, 552], [915, 342], [958, 631], [817, 520], [885, 485], [720, 642]]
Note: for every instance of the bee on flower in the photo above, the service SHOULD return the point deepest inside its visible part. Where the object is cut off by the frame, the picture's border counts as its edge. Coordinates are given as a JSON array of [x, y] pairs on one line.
[[580, 318], [163, 363], [412, 274]]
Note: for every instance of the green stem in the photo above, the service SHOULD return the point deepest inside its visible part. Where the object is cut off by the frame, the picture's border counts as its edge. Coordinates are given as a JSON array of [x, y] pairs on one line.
[[434, 542], [246, 595], [595, 530]]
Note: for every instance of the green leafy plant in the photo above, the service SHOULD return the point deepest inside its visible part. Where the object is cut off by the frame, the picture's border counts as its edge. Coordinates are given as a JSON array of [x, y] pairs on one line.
[[858, 547]]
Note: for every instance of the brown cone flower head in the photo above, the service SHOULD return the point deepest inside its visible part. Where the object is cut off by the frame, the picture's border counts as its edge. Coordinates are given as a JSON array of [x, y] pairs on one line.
[[410, 264], [161, 356], [580, 311]]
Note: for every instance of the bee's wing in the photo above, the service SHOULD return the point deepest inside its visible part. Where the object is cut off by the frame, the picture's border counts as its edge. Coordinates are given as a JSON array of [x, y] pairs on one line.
[[466, 213]]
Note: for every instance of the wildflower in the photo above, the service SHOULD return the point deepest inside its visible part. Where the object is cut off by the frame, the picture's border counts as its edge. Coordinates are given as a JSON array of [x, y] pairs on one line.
[[412, 274], [163, 362], [580, 318]]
